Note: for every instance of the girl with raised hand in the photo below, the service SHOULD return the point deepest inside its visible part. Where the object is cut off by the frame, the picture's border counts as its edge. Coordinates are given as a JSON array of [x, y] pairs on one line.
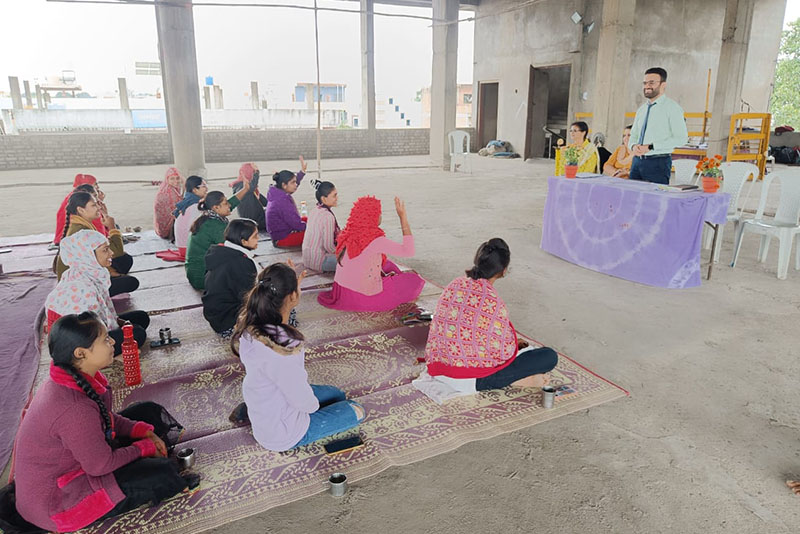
[[209, 229], [185, 213], [77, 461], [283, 408], [230, 274], [322, 229], [167, 198], [284, 224], [252, 206], [85, 287], [81, 209], [472, 345], [365, 279]]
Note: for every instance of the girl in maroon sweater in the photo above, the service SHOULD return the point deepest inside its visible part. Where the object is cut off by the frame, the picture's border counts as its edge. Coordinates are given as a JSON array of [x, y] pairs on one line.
[[76, 460]]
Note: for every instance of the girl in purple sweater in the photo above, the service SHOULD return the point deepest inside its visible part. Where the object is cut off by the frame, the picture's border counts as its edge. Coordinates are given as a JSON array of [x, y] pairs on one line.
[[76, 461], [285, 226], [284, 409]]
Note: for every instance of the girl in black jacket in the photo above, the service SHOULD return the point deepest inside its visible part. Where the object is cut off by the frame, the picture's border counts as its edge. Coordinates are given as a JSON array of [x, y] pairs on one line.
[[230, 274]]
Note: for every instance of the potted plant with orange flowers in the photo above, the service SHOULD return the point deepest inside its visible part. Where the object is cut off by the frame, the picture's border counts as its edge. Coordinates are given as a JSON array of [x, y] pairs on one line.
[[710, 173], [572, 155]]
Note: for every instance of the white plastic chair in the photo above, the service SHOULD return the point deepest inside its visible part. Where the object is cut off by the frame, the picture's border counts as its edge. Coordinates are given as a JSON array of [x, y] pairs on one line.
[[459, 148], [784, 225], [734, 175], [685, 170]]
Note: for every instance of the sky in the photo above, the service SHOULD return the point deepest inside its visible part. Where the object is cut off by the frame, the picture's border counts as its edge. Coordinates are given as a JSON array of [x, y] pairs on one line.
[[235, 45]]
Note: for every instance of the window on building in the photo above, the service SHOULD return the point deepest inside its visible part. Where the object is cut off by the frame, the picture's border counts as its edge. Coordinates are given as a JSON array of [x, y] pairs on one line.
[[468, 98]]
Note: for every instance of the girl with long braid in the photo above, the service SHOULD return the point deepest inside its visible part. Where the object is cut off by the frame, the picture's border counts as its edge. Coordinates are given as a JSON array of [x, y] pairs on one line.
[[82, 208], [76, 460], [283, 408]]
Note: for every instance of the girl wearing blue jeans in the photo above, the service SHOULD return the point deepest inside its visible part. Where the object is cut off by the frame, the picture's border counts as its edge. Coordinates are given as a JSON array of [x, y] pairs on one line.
[[284, 410]]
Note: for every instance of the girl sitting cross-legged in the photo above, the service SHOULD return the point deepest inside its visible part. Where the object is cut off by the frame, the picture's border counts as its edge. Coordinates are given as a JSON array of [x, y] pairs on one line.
[[284, 224], [252, 206], [185, 213], [84, 287], [283, 408], [365, 279], [168, 196], [472, 345], [76, 460], [79, 184], [230, 274], [209, 229], [322, 230], [82, 208]]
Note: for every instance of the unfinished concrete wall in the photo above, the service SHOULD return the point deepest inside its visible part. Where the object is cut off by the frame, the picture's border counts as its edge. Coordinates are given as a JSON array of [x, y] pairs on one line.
[[683, 36], [112, 149]]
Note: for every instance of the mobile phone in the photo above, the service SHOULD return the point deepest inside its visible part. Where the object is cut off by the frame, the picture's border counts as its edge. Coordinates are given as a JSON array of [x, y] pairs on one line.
[[564, 390], [342, 445]]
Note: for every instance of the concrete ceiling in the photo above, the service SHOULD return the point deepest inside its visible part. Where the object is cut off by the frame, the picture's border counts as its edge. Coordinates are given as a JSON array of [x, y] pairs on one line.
[[465, 4]]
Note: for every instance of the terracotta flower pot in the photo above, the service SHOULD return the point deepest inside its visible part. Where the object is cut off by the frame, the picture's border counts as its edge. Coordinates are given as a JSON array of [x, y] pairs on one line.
[[570, 171], [710, 184]]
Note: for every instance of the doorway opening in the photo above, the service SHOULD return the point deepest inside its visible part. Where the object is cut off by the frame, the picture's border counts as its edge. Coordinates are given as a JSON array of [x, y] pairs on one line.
[[548, 109], [487, 112]]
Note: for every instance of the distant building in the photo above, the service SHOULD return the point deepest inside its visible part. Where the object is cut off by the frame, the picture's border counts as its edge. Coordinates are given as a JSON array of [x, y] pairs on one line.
[[331, 95], [463, 108]]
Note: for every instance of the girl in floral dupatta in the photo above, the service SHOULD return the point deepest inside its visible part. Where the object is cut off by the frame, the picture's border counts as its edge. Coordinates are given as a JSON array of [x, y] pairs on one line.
[[472, 345]]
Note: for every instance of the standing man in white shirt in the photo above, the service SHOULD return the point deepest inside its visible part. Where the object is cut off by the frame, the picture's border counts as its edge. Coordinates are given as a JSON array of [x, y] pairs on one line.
[[658, 128]]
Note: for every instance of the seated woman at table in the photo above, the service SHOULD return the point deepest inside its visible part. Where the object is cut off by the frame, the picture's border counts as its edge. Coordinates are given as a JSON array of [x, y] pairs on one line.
[[365, 279], [472, 345], [619, 164], [76, 459], [589, 159]]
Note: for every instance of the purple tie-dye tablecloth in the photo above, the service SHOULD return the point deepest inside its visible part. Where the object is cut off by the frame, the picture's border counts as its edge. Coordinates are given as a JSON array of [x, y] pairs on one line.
[[630, 230]]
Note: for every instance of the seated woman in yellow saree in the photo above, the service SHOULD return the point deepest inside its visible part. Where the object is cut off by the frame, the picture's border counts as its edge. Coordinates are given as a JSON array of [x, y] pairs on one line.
[[589, 159]]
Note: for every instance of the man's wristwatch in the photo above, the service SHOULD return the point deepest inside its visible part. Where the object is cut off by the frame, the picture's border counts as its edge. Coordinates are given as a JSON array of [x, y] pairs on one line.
[[650, 146]]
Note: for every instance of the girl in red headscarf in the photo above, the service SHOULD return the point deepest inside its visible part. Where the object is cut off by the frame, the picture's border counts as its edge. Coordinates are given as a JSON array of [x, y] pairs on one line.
[[61, 214], [251, 206], [169, 194], [365, 280]]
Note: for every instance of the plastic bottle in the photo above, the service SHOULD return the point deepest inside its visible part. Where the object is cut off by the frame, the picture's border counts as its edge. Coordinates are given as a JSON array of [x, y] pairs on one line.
[[130, 357], [303, 209]]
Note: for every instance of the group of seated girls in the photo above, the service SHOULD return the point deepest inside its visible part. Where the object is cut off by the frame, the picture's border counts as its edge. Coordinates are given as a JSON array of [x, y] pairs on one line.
[[84, 209]]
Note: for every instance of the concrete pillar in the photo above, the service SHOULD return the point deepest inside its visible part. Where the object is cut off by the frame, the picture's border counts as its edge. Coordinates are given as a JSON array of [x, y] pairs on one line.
[[310, 96], [367, 65], [123, 93], [28, 97], [175, 24], [730, 72], [39, 99], [16, 96], [444, 90], [218, 103], [254, 101], [207, 96], [612, 73]]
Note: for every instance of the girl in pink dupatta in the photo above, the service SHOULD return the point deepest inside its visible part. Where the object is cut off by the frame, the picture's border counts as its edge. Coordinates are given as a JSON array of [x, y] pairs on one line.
[[472, 345], [169, 194]]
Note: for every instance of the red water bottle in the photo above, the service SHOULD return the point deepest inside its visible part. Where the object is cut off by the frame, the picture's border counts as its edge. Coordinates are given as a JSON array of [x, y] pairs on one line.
[[130, 357]]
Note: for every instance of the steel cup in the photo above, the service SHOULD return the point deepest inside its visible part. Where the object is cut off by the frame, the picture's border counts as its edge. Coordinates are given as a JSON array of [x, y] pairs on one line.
[[338, 483], [186, 458], [548, 396]]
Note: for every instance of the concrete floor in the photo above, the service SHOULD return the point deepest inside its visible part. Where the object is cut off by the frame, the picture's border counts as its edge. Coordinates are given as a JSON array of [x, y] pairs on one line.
[[703, 444]]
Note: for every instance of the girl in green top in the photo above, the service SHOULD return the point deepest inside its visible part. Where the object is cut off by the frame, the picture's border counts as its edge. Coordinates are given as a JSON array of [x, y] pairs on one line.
[[209, 229]]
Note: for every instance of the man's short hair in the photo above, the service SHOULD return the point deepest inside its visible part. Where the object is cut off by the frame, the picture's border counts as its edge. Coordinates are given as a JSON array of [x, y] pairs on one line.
[[657, 70]]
